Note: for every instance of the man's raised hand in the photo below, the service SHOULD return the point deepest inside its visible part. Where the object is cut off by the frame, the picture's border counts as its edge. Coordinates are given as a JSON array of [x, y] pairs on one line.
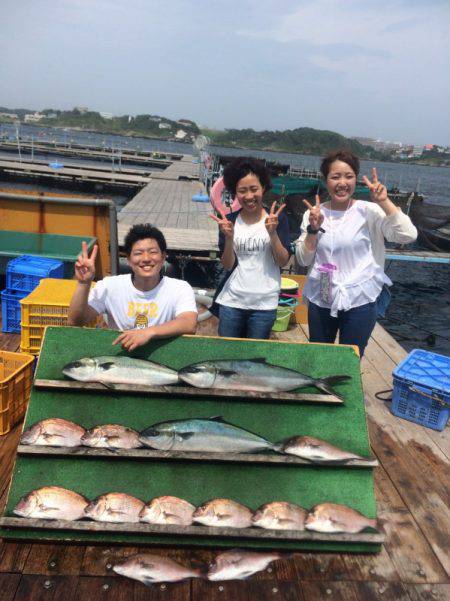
[[85, 265]]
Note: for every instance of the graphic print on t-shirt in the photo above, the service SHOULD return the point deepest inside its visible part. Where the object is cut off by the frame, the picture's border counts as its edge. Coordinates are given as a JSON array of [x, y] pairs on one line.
[[250, 245], [142, 312]]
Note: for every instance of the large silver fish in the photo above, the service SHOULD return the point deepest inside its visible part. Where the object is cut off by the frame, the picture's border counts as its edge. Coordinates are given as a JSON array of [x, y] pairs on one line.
[[53, 432], [252, 374], [330, 517], [52, 503], [120, 370], [211, 435], [151, 569], [239, 564]]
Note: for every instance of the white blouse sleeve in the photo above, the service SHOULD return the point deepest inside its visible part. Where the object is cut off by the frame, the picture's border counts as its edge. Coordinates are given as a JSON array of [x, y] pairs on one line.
[[303, 255], [395, 228]]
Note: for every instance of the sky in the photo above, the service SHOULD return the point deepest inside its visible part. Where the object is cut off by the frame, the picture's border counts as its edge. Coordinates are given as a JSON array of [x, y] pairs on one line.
[[376, 68]]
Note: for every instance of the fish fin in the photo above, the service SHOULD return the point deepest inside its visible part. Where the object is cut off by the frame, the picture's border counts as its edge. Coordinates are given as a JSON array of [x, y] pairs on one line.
[[107, 365], [109, 385], [185, 435], [245, 575], [259, 360], [226, 372], [148, 582], [216, 418], [278, 447], [325, 384]]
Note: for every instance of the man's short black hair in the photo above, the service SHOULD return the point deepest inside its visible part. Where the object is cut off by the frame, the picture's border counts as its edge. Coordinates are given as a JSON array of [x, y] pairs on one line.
[[141, 231], [240, 168]]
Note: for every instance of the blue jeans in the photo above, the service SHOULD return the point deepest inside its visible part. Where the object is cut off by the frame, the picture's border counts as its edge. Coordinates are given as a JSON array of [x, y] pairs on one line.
[[355, 325], [245, 323]]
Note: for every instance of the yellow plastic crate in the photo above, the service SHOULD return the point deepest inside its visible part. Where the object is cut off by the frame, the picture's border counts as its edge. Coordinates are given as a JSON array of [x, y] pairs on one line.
[[16, 374], [47, 305]]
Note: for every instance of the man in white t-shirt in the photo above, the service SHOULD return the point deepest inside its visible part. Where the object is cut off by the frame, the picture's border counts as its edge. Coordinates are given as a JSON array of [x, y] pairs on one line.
[[143, 304]]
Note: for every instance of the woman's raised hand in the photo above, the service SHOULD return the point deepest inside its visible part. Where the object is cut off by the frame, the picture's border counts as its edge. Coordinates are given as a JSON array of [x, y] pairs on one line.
[[225, 226], [272, 218], [378, 191], [85, 265], [315, 214]]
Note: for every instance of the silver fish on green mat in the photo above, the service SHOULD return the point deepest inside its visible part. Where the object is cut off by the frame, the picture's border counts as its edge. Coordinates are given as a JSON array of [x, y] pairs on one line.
[[53, 432], [150, 569], [114, 507], [253, 374], [111, 436], [239, 564], [120, 370], [52, 503], [280, 515], [223, 513], [319, 451], [212, 435], [331, 517], [168, 510]]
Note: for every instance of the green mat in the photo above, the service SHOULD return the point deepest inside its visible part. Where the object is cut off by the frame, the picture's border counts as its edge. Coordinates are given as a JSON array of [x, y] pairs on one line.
[[196, 482]]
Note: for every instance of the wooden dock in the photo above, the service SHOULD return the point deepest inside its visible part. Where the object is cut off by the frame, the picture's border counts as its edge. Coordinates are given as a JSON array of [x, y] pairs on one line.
[[72, 174], [167, 203], [411, 486]]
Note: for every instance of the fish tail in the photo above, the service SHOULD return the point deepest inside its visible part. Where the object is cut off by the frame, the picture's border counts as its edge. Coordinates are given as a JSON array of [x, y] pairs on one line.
[[325, 384]]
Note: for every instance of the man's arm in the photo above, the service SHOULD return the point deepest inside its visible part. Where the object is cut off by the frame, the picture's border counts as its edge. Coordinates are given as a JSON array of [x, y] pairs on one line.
[[80, 313], [184, 323]]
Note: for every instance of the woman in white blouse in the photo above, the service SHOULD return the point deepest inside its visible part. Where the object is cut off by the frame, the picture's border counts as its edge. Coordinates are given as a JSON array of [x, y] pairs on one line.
[[342, 242]]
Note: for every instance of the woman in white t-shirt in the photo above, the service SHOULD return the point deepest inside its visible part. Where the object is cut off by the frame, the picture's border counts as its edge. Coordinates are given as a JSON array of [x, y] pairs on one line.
[[254, 244], [342, 242]]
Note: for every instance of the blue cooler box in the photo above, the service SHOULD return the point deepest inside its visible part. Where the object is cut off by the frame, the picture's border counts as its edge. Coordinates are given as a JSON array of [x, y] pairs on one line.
[[422, 389]]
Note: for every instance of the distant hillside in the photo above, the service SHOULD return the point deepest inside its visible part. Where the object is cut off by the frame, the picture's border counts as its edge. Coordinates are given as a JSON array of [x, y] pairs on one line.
[[305, 140], [140, 125]]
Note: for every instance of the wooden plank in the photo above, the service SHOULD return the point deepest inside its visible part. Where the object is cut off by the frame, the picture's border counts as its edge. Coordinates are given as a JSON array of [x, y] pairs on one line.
[[231, 395], [119, 588], [53, 558], [45, 588], [257, 588], [143, 453], [428, 592], [8, 586], [242, 533]]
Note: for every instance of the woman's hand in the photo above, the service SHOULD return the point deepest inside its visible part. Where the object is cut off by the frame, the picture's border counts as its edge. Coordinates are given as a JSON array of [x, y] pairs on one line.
[[85, 265], [272, 218], [316, 216], [378, 191], [225, 226], [131, 339]]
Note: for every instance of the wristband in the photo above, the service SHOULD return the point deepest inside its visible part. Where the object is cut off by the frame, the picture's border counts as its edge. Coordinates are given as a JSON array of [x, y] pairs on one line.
[[311, 230]]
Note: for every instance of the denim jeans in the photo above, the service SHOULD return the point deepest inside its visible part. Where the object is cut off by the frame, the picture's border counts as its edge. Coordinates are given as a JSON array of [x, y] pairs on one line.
[[355, 325], [245, 323]]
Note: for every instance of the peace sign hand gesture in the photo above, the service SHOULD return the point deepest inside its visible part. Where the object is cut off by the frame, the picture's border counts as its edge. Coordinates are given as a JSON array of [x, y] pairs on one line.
[[85, 265], [225, 226], [272, 218], [315, 214], [378, 192]]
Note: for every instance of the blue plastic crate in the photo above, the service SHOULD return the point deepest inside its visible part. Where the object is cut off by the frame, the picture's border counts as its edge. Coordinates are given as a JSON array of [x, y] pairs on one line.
[[422, 389], [25, 273], [11, 309]]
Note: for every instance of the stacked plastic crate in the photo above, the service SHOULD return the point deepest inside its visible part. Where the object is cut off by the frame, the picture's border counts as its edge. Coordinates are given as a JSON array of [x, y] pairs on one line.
[[23, 274]]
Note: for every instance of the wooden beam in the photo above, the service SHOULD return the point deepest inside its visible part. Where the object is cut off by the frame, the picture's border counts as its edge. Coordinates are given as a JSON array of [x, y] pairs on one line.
[[177, 391], [145, 453], [169, 529]]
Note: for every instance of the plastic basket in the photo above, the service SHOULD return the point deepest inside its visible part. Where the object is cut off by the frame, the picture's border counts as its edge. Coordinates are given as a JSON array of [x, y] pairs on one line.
[[25, 273], [16, 372], [47, 305], [281, 322], [422, 389], [11, 310]]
